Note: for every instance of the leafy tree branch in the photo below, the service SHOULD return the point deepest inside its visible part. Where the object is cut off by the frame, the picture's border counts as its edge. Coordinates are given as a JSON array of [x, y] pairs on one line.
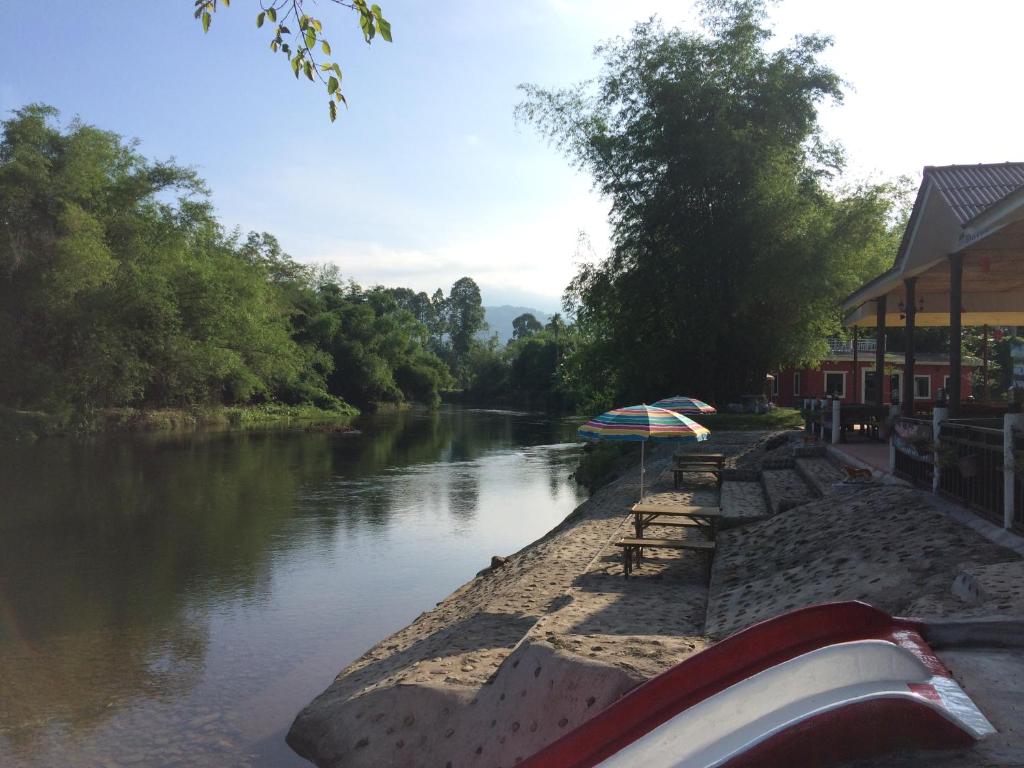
[[305, 48]]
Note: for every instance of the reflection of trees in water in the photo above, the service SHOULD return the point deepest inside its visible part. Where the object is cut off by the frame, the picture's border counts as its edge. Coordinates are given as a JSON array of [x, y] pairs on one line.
[[103, 546], [463, 491], [108, 546]]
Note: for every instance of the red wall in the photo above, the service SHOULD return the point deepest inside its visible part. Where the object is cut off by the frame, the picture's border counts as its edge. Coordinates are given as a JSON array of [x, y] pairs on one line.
[[813, 381]]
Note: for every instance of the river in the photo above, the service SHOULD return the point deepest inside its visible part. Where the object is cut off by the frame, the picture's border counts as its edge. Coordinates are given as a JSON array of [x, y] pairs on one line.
[[175, 599]]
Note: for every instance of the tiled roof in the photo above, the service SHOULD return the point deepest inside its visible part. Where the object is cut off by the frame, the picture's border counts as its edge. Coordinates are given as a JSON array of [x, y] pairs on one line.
[[970, 189]]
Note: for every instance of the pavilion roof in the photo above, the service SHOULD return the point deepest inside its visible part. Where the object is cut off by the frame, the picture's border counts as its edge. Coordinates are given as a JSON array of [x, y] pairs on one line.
[[973, 210], [970, 189]]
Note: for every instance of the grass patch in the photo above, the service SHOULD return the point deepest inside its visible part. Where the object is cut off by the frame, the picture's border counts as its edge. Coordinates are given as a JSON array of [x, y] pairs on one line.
[[277, 413], [30, 425], [778, 418]]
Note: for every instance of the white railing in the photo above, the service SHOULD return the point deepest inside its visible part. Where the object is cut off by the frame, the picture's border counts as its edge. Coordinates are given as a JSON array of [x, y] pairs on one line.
[[838, 346]]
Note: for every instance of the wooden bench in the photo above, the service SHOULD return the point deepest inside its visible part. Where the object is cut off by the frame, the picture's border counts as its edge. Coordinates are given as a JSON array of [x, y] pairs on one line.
[[695, 467], [634, 548], [706, 518]]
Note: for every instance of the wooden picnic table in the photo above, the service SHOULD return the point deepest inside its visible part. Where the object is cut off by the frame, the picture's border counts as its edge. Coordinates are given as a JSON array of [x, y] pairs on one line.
[[682, 457], [696, 467], [706, 518]]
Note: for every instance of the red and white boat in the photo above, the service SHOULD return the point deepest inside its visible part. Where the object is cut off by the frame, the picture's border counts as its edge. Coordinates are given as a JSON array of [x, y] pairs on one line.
[[809, 688]]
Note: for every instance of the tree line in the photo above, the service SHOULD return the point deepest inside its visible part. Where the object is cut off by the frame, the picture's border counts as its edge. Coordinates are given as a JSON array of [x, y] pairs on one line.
[[733, 241], [119, 287]]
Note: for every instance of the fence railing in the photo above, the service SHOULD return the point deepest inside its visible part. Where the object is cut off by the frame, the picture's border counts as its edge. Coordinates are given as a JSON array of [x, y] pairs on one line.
[[914, 454], [971, 464]]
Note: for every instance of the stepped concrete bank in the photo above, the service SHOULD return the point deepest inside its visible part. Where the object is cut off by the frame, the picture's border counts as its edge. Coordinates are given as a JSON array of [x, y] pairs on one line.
[[530, 649]]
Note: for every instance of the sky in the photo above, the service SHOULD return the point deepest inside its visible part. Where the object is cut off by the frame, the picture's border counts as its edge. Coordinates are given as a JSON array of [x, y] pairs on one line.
[[427, 177]]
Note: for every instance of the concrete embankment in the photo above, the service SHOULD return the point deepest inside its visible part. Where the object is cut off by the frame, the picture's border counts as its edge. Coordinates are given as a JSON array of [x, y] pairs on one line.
[[521, 653]]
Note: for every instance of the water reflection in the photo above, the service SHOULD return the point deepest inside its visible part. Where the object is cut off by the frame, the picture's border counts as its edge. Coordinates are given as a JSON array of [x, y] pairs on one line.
[[177, 598]]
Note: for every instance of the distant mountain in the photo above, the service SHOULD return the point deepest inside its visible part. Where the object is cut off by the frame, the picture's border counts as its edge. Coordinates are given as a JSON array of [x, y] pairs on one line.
[[499, 320]]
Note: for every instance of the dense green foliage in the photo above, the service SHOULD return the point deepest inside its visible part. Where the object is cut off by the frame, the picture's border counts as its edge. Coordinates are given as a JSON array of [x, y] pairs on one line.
[[305, 48], [731, 242], [732, 245], [118, 287], [529, 369]]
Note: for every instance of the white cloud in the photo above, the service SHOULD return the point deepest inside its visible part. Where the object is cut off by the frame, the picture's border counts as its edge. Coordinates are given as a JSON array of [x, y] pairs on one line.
[[535, 257]]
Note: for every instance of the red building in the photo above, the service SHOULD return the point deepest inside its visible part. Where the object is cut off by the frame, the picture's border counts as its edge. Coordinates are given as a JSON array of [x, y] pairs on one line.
[[837, 375]]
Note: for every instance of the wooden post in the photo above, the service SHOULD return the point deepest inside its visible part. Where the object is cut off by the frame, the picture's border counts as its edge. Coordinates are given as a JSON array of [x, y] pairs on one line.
[[880, 350], [956, 274], [910, 301], [856, 370]]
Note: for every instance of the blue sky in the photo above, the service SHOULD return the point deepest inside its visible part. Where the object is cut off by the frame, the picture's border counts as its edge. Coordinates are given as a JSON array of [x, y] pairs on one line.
[[426, 177]]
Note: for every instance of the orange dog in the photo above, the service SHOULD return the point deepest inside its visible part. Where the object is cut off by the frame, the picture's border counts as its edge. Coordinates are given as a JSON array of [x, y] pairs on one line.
[[852, 473]]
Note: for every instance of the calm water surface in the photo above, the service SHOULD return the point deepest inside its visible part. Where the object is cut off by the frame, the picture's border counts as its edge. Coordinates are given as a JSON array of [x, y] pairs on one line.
[[175, 600]]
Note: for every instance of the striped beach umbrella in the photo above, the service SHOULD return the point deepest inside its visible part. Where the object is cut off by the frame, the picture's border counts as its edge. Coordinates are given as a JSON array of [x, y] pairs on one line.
[[681, 404], [640, 423]]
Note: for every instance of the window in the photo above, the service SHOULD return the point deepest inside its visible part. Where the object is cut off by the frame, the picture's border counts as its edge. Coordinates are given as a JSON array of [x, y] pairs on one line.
[[945, 384], [775, 386], [922, 387], [835, 383], [796, 384]]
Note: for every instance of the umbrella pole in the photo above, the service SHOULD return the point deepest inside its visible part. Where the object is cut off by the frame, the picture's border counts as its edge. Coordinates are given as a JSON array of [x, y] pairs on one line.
[[642, 443]]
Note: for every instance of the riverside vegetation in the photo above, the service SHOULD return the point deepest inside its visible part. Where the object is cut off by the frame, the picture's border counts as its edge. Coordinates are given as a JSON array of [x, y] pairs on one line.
[[733, 239], [123, 301]]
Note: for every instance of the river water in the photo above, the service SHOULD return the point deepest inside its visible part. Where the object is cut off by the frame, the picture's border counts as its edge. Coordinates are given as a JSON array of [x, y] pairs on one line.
[[175, 600]]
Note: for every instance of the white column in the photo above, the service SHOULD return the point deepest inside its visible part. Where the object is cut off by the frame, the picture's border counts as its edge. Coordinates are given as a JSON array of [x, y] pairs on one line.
[[1011, 422], [894, 413], [939, 415], [837, 406]]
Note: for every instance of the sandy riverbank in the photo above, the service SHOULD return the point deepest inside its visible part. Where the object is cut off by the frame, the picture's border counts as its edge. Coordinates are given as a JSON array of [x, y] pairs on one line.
[[527, 651]]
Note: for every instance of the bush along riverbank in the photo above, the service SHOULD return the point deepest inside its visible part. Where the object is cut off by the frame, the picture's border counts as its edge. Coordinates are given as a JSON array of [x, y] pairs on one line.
[[32, 425]]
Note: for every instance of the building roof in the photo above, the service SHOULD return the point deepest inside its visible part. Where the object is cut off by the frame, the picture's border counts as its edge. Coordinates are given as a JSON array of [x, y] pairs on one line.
[[970, 189], [958, 208]]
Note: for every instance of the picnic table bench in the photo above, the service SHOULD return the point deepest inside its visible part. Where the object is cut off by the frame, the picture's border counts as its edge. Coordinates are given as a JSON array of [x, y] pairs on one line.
[[633, 548], [706, 518]]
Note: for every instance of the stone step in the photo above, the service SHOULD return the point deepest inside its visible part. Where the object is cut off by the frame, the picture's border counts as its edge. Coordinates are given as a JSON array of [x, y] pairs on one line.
[[742, 502], [819, 473], [810, 451], [785, 489]]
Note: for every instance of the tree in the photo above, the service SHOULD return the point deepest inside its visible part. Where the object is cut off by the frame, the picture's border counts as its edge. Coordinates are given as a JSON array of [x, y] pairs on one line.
[[556, 325], [730, 243], [302, 48], [465, 317], [525, 325], [117, 285]]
